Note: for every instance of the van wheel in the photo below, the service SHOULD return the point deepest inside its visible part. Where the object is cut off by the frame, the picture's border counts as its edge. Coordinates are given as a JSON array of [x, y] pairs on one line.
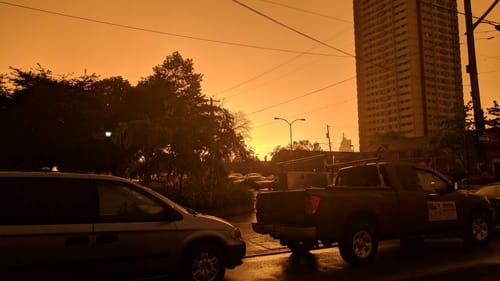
[[204, 263], [359, 245], [478, 230]]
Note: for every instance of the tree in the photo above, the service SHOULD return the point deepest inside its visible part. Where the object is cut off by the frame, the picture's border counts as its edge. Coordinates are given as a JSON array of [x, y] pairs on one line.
[[493, 122], [4, 92], [304, 145], [469, 117], [162, 125], [451, 141], [51, 121], [177, 130], [241, 124]]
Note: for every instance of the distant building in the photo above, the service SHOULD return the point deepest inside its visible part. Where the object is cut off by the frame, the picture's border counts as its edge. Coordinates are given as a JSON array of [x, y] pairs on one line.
[[346, 145], [408, 67]]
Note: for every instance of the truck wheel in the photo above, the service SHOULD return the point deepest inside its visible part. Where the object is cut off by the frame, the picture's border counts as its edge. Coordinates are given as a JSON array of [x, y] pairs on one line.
[[360, 244], [478, 230], [300, 247], [203, 263]]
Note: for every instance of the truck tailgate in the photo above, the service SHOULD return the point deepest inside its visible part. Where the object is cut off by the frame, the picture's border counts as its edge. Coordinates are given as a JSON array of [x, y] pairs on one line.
[[283, 207]]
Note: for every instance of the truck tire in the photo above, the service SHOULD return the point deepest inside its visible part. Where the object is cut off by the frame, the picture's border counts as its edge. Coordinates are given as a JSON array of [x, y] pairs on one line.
[[359, 245], [478, 230], [203, 262]]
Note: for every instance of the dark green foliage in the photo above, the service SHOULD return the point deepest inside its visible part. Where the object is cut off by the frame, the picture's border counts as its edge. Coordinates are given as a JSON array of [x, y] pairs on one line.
[[229, 197], [50, 121], [164, 125], [493, 122]]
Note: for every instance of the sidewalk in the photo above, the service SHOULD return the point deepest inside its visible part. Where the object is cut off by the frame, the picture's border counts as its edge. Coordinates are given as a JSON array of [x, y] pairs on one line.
[[257, 244]]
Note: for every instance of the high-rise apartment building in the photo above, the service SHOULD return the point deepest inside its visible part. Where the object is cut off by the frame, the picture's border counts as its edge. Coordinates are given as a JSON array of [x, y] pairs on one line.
[[408, 67]]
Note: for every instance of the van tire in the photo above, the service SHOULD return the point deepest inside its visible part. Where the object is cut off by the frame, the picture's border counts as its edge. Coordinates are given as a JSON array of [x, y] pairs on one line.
[[203, 262], [360, 244]]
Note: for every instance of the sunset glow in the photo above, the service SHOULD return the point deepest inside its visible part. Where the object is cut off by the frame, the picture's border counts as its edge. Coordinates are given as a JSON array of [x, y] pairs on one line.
[[249, 63]]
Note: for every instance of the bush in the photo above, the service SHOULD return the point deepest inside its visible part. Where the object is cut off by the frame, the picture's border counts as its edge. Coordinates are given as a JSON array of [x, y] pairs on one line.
[[226, 200]]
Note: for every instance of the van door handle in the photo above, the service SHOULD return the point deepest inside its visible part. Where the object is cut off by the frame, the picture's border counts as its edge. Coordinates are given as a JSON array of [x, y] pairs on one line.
[[106, 238], [78, 240]]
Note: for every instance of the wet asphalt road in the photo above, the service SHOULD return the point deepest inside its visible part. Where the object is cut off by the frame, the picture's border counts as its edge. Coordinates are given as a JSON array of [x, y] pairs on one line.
[[440, 259]]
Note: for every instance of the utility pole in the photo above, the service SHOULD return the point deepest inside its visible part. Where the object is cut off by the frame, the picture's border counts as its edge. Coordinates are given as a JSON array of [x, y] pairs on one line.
[[472, 69], [329, 142]]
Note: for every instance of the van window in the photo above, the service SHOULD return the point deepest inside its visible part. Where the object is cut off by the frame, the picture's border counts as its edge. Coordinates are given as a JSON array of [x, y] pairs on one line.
[[120, 202], [29, 201]]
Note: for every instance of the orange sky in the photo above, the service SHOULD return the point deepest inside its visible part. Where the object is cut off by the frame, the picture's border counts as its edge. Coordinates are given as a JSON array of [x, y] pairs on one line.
[[262, 83]]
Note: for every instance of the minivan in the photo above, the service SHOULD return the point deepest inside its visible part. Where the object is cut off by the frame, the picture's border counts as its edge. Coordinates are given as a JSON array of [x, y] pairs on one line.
[[101, 227]]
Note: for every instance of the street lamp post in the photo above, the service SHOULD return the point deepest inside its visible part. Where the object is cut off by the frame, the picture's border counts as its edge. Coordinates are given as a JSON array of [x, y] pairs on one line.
[[290, 125]]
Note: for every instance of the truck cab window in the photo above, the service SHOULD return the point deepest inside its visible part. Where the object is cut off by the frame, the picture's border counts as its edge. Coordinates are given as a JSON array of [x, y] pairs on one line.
[[359, 176], [431, 182]]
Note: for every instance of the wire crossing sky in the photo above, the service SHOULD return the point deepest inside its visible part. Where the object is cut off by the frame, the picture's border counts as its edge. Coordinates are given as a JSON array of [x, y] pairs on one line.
[[266, 58]]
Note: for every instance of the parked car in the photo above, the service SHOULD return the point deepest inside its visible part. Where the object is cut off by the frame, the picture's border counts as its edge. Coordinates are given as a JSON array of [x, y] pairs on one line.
[[253, 177], [269, 182], [258, 181], [492, 192], [107, 225], [247, 179], [234, 176]]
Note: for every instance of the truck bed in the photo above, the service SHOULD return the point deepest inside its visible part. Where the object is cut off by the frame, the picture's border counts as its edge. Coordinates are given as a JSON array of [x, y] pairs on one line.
[[282, 207]]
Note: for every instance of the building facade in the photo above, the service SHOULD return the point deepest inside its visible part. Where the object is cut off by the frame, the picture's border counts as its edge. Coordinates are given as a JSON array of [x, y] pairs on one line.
[[346, 145], [408, 68]]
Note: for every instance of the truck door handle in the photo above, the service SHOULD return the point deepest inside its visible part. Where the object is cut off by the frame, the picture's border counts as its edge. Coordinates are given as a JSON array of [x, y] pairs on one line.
[[431, 196], [77, 240], [106, 238]]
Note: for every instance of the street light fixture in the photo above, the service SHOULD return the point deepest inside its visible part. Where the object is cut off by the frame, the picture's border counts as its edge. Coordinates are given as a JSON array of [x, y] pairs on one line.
[[290, 125]]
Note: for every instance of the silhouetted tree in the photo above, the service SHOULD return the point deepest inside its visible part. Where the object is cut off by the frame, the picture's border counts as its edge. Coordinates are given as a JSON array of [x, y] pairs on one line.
[[50, 121], [177, 130], [162, 125], [493, 122], [298, 145]]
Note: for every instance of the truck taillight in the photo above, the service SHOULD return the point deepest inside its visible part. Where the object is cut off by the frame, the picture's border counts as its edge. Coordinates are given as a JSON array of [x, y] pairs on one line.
[[312, 204]]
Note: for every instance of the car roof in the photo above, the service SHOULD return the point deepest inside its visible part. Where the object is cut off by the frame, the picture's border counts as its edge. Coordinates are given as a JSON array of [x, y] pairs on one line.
[[68, 175]]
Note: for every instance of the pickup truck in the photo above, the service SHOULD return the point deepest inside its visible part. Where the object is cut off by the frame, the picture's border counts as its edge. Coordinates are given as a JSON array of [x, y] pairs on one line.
[[372, 202]]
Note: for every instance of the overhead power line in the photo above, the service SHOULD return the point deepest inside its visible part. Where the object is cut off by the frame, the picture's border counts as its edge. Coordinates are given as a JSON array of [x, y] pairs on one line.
[[312, 111], [267, 72], [302, 67], [309, 36], [463, 14], [302, 96], [162, 32], [305, 11]]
